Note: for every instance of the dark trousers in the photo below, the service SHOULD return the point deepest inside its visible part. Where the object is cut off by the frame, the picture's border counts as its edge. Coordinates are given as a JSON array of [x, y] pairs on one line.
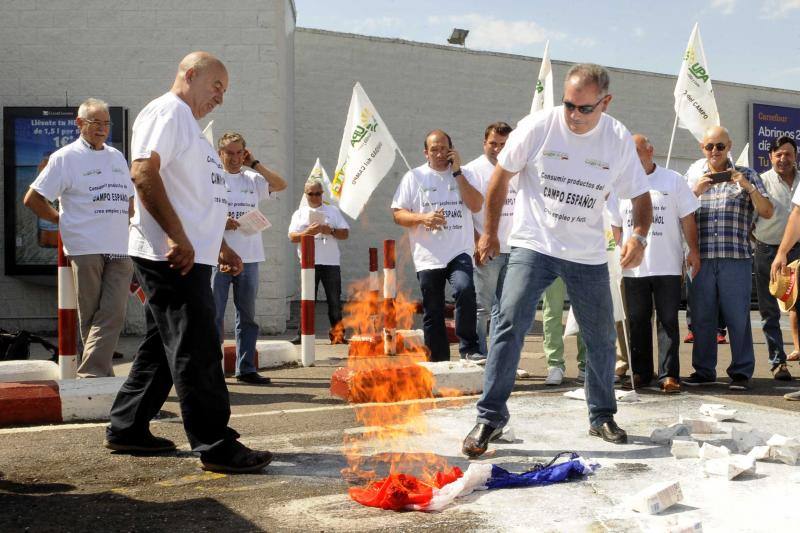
[[640, 294], [181, 346], [767, 304], [331, 278], [432, 284]]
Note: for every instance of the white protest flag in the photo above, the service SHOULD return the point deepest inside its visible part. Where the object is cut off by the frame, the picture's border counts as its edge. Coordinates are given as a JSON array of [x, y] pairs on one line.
[[366, 155], [208, 133], [319, 172], [695, 106], [543, 93], [744, 157]]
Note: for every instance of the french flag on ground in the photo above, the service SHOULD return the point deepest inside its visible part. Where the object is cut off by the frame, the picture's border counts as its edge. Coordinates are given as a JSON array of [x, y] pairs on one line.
[[400, 492]]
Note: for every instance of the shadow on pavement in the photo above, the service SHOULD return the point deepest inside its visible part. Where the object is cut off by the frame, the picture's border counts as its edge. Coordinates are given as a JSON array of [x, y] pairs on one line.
[[25, 508]]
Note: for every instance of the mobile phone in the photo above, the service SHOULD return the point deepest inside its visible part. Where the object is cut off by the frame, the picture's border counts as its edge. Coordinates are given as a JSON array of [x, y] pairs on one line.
[[720, 177]]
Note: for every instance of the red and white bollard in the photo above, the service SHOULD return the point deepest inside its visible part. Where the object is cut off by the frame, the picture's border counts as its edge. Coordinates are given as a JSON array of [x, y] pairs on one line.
[[307, 297], [389, 295], [374, 291], [67, 318]]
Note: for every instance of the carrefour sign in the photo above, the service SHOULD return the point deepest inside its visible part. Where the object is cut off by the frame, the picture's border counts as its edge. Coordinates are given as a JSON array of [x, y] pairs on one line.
[[769, 122]]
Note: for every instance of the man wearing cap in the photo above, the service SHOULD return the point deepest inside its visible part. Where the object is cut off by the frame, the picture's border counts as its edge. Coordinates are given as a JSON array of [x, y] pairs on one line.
[[730, 197], [781, 184]]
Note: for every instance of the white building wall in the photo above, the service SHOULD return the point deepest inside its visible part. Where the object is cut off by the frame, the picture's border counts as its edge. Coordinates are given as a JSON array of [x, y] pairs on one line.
[[417, 87], [127, 53]]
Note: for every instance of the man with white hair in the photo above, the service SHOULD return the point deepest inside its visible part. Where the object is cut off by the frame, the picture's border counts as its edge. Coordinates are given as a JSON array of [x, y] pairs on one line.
[[176, 238], [730, 196], [327, 225], [93, 185]]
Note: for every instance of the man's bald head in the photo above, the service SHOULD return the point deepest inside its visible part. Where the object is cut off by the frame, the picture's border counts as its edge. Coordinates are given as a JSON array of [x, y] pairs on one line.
[[718, 134], [716, 146], [644, 148], [198, 61], [201, 82]]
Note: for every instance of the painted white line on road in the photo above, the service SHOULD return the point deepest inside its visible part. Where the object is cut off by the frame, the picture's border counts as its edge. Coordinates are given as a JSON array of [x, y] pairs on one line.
[[344, 407]]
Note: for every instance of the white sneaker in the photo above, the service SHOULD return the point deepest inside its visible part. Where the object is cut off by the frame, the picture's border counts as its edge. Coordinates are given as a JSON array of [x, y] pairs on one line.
[[554, 376], [581, 376]]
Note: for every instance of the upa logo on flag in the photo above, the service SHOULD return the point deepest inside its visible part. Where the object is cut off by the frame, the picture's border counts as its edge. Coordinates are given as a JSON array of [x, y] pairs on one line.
[[368, 124], [539, 86]]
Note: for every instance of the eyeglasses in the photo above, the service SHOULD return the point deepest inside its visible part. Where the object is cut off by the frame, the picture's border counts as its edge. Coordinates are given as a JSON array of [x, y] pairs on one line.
[[582, 109], [314, 193], [97, 123], [719, 146]]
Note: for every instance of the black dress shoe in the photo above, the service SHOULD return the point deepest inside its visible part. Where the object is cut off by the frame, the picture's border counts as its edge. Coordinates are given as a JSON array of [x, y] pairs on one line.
[[477, 441], [297, 340], [254, 379], [609, 432], [144, 445]]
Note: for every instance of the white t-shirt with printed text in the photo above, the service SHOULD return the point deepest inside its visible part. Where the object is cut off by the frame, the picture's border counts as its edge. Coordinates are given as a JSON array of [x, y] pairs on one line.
[[193, 178], [326, 247], [246, 190], [94, 188], [424, 190], [482, 169], [563, 180], [672, 200]]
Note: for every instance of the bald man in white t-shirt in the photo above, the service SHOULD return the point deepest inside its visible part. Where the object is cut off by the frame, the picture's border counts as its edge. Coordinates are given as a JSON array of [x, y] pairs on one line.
[[566, 161], [176, 238]]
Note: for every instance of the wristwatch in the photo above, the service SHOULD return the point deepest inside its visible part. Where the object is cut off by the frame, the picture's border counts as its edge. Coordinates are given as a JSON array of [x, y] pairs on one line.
[[642, 240], [457, 173], [254, 163]]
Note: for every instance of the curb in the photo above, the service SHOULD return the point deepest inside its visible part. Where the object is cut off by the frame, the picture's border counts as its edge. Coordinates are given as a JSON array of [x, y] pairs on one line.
[[57, 401], [28, 370], [376, 379], [269, 354]]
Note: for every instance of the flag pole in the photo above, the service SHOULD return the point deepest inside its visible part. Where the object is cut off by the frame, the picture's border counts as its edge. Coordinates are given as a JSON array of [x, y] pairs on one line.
[[671, 140], [399, 151]]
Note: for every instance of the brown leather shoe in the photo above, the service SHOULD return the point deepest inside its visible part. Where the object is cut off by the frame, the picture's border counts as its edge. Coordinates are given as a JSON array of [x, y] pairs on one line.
[[670, 386]]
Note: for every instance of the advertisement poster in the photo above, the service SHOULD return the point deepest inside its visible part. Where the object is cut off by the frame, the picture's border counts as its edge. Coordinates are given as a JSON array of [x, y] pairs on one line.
[[770, 121], [30, 135]]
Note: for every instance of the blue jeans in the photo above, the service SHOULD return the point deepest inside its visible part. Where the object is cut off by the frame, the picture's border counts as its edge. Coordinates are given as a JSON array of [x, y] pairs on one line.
[[432, 282], [722, 287], [488, 288], [768, 304], [245, 288], [529, 274]]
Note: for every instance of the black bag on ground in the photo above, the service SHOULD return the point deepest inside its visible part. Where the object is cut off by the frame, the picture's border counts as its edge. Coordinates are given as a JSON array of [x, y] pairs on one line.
[[16, 345]]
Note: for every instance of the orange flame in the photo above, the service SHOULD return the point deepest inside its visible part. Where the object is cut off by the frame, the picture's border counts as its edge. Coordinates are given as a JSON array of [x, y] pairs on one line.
[[385, 388]]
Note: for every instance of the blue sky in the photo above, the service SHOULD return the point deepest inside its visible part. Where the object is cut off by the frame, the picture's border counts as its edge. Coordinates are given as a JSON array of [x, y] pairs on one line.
[[754, 41]]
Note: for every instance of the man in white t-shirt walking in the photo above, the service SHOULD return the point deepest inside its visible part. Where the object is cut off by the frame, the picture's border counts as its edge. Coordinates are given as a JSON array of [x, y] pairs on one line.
[[327, 225], [567, 160], [658, 278], [93, 185], [175, 239], [489, 276], [435, 201], [247, 187]]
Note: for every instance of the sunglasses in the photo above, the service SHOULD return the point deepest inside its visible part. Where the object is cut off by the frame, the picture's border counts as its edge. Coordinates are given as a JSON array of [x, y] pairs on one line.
[[314, 193], [719, 146], [582, 109]]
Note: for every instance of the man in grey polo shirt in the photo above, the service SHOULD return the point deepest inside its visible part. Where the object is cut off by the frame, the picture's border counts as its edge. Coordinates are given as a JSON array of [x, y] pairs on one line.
[[781, 183]]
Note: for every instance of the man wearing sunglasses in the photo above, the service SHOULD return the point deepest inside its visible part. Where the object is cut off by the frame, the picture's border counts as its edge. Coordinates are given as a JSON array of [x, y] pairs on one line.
[[327, 225], [730, 197], [567, 160]]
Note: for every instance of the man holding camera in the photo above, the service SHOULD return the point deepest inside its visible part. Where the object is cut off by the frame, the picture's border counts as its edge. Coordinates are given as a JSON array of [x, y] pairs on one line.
[[730, 196]]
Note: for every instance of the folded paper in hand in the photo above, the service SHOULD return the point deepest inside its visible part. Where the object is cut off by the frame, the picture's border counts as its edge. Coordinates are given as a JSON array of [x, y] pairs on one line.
[[253, 222]]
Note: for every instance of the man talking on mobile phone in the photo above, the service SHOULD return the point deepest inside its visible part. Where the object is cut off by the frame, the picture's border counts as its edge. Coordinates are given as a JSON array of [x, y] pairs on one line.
[[435, 201]]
